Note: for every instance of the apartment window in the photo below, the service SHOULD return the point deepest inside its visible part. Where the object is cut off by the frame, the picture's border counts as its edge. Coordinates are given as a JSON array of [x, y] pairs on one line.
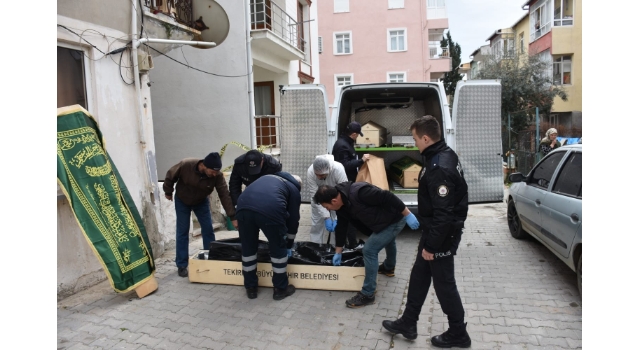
[[435, 51], [72, 87], [396, 4], [563, 13], [540, 19], [340, 6], [562, 70], [396, 40], [553, 120], [396, 77], [342, 43], [521, 41], [436, 9], [344, 79]]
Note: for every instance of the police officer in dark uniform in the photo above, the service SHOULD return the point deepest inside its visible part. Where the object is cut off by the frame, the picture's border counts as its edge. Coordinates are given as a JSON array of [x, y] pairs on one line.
[[345, 153], [442, 209], [248, 168]]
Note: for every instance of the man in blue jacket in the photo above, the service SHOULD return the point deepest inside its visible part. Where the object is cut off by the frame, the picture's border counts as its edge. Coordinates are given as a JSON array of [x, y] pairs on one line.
[[270, 204]]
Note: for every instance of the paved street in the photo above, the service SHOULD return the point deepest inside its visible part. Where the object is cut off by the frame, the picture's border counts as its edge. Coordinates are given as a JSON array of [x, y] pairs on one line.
[[516, 294]]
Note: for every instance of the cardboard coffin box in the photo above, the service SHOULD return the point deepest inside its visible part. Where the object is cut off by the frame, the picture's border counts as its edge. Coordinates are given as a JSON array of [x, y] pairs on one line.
[[405, 171], [301, 276], [374, 135]]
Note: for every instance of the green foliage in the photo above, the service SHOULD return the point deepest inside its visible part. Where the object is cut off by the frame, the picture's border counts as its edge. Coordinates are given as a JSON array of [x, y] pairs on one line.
[[526, 84], [452, 78]]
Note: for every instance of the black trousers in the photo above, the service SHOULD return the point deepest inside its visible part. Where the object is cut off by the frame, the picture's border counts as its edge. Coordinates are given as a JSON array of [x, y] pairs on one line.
[[444, 282], [352, 241]]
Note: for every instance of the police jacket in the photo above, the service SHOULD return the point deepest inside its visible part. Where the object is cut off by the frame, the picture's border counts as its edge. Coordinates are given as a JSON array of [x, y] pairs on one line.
[[276, 196], [239, 174], [369, 208], [335, 176], [442, 198], [344, 152]]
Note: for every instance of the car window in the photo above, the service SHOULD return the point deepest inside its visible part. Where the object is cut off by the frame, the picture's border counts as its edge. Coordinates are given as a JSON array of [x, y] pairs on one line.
[[570, 178], [541, 176]]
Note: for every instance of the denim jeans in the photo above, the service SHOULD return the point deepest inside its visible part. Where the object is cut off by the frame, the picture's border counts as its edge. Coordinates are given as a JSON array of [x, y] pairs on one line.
[[183, 222], [249, 225], [375, 243]]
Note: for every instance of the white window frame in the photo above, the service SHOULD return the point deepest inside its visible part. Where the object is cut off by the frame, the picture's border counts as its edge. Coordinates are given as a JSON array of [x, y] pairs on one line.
[[521, 42], [562, 20], [340, 6], [436, 9], [395, 4], [404, 77], [342, 75], [561, 64], [335, 43], [545, 12], [88, 77], [389, 30]]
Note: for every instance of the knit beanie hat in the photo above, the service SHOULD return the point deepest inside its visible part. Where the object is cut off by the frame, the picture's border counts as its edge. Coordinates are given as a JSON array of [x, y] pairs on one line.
[[213, 161]]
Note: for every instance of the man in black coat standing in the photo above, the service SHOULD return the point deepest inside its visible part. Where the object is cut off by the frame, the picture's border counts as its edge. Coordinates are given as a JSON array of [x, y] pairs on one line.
[[248, 168], [345, 153], [442, 210], [272, 205]]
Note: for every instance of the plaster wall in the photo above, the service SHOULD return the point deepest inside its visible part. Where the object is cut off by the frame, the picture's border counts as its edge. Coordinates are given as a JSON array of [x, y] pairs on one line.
[[261, 75], [370, 61], [114, 105], [110, 14], [198, 113], [567, 40]]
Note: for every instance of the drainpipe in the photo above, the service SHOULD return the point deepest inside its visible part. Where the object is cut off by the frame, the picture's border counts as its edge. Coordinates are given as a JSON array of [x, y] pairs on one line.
[[252, 106]]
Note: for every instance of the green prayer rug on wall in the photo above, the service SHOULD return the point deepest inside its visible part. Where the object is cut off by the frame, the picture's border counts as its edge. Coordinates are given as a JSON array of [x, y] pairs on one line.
[[101, 202]]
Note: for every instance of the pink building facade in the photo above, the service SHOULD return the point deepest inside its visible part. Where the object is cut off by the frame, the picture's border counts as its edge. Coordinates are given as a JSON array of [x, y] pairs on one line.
[[381, 41]]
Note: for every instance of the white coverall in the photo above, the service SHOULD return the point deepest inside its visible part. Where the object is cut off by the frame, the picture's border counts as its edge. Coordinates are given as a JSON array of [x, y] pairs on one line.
[[318, 213]]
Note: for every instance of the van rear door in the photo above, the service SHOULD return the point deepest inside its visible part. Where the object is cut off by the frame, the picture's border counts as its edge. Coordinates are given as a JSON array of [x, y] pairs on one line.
[[304, 122], [477, 126]]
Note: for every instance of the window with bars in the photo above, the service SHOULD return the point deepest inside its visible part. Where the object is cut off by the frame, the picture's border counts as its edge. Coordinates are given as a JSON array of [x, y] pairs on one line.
[[397, 40], [342, 43]]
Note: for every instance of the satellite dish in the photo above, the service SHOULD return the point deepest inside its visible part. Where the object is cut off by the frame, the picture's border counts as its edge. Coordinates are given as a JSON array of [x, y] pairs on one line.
[[212, 15]]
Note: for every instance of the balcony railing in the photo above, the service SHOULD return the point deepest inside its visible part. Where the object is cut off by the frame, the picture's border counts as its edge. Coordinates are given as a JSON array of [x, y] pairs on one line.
[[540, 30], [268, 15], [180, 10], [438, 52]]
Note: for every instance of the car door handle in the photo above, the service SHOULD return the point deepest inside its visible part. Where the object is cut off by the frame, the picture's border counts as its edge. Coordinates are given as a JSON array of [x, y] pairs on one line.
[[538, 202], [575, 217]]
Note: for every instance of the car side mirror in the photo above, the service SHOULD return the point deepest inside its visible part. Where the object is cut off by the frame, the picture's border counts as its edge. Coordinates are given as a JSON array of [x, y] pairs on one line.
[[517, 177]]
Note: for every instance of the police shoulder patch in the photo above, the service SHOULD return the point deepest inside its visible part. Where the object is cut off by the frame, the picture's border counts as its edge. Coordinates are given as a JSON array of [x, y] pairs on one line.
[[443, 191]]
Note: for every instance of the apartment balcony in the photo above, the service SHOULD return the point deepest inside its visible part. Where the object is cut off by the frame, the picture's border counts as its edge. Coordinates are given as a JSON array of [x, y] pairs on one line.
[[275, 36], [437, 15], [170, 19], [439, 60]]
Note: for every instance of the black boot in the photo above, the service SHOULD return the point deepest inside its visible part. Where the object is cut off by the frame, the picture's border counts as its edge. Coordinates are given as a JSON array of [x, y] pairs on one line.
[[252, 292], [454, 336], [279, 294], [408, 329]]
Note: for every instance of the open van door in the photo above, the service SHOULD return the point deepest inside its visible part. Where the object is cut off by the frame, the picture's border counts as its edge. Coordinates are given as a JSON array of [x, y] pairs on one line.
[[477, 126], [304, 114]]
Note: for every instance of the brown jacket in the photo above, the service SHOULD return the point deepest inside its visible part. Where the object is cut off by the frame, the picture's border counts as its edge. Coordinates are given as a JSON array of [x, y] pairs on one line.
[[193, 186]]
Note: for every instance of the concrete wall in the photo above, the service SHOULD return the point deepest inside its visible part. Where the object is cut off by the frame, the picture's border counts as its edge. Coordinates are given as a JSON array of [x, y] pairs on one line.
[[198, 113], [110, 14], [114, 105]]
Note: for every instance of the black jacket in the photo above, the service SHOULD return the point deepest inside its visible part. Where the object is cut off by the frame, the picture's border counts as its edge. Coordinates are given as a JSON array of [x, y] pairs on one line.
[[276, 196], [369, 208], [239, 174], [344, 152], [442, 198]]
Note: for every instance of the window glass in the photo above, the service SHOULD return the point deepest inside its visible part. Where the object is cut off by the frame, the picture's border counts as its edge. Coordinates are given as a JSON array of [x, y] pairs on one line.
[[570, 177], [542, 174], [71, 79]]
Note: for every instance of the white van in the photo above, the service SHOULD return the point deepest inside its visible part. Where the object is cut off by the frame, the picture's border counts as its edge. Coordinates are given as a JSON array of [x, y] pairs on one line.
[[473, 130]]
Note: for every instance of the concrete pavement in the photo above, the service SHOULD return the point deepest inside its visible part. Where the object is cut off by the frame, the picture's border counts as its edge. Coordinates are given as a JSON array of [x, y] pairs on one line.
[[516, 295]]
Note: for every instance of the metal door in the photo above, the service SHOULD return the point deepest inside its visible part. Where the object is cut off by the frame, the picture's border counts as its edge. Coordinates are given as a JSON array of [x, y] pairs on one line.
[[477, 128], [304, 116]]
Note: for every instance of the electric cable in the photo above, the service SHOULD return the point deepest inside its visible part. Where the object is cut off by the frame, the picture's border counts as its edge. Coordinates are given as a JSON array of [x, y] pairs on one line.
[[199, 70]]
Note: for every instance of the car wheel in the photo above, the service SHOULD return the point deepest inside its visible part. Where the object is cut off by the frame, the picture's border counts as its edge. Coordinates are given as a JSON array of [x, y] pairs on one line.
[[515, 226], [579, 273]]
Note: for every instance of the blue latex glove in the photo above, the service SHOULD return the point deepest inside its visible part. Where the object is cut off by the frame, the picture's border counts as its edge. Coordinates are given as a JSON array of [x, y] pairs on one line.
[[289, 252], [333, 227], [328, 224], [412, 221], [337, 259]]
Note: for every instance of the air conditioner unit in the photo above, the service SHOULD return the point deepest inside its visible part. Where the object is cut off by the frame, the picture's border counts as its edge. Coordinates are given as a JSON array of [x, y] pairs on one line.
[[319, 44], [145, 62]]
